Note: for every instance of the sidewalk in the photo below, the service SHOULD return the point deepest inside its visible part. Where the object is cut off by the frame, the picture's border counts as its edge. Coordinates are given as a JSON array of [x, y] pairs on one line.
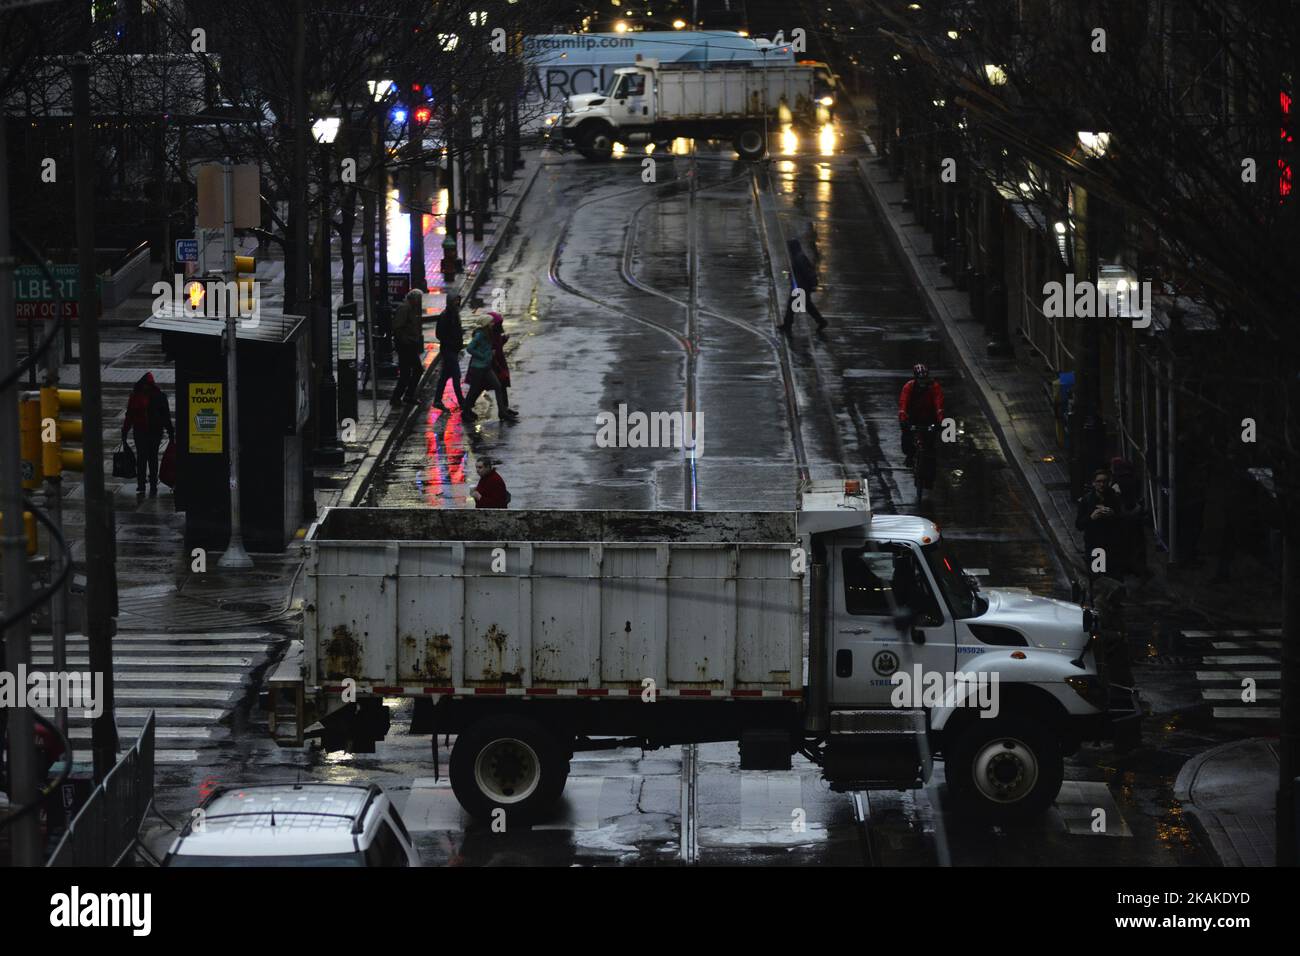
[[1229, 791], [158, 591], [1239, 778]]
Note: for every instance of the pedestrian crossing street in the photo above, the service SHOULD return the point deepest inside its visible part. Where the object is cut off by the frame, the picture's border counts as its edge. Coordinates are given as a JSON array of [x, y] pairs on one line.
[[193, 682], [1229, 657]]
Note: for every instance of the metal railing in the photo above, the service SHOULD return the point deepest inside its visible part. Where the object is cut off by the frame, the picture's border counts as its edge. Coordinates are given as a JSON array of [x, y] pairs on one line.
[[106, 828]]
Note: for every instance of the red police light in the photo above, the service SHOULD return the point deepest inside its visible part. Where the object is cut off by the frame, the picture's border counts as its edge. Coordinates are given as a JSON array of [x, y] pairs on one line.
[[422, 114]]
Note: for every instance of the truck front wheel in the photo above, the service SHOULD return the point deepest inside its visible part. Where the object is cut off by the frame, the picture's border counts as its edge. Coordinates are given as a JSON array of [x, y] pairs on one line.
[[1004, 769], [509, 763], [749, 143], [596, 143]]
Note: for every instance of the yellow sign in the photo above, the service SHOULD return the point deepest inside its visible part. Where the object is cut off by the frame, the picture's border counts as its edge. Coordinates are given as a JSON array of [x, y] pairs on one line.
[[205, 418]]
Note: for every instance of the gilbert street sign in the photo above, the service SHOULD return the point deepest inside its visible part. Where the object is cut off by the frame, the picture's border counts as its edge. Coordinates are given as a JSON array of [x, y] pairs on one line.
[[34, 294]]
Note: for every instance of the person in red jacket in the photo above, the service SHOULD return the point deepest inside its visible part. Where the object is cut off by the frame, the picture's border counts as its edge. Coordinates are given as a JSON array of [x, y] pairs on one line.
[[498, 336], [919, 404], [491, 489]]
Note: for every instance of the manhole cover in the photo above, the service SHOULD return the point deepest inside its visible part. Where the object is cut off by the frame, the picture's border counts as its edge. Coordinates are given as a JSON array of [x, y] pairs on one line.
[[248, 607]]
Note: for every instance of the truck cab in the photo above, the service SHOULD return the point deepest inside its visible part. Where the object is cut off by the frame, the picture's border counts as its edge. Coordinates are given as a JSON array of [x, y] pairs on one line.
[[918, 661], [627, 106]]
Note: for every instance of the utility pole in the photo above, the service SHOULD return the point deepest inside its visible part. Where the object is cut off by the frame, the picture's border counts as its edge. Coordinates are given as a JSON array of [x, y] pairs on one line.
[[101, 574], [235, 557], [22, 754], [414, 198]]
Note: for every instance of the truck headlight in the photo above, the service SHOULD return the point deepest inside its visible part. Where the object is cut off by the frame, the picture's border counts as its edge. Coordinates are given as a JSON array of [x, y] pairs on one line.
[[1089, 688], [827, 100]]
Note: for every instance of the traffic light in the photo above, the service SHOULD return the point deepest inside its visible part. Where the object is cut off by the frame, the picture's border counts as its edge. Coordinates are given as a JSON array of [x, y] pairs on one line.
[[55, 459], [247, 293], [29, 432]]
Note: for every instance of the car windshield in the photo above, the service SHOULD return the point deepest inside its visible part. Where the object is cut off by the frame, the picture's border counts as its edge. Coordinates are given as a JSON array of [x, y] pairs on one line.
[[963, 598], [311, 859]]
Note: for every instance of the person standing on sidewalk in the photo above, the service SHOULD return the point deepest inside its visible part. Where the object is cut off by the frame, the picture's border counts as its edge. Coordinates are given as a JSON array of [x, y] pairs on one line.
[[451, 342], [481, 377], [149, 416], [408, 337], [1098, 517], [490, 492], [803, 276], [499, 366]]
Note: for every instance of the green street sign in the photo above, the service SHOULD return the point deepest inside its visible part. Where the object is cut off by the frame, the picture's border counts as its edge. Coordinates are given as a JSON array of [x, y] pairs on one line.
[[30, 284]]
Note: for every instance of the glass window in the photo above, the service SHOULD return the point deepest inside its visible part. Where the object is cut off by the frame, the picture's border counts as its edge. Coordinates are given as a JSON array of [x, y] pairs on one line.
[[963, 598], [386, 850], [636, 84], [882, 580]]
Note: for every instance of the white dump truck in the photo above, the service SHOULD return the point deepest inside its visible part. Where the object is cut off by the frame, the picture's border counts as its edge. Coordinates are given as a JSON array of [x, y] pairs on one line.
[[853, 639], [650, 103]]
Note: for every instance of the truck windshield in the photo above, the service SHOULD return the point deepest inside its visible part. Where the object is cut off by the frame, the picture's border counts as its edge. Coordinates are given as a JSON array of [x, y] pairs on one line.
[[963, 599]]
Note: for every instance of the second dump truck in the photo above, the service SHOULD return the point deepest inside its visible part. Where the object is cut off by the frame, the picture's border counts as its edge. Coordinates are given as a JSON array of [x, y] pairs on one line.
[[853, 639]]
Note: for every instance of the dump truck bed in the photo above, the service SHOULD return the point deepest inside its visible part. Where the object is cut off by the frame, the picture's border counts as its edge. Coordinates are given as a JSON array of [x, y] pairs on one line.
[[430, 602], [733, 92]]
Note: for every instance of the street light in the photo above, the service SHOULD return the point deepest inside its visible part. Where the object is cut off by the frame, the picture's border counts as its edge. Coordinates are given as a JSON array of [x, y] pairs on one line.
[[328, 450], [997, 76], [1094, 144]]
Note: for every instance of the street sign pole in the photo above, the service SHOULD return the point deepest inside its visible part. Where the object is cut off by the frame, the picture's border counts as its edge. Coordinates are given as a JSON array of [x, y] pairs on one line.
[[235, 557]]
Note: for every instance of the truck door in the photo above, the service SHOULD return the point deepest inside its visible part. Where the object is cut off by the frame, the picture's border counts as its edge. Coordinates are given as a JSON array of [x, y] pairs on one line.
[[873, 584], [631, 104]]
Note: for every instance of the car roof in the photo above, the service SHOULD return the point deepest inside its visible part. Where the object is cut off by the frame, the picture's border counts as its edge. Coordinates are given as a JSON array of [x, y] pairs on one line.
[[279, 820]]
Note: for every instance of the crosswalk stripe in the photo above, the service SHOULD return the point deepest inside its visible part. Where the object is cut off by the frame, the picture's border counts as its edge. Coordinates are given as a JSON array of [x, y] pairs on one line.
[[1249, 712], [1247, 645], [1239, 675], [1234, 693], [1265, 631], [1239, 659]]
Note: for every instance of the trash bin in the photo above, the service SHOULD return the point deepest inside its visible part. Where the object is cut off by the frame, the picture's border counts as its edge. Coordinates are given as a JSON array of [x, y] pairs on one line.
[[273, 394]]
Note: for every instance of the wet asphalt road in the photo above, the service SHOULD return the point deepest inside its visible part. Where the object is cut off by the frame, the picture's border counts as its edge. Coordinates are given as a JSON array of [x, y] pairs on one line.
[[594, 280]]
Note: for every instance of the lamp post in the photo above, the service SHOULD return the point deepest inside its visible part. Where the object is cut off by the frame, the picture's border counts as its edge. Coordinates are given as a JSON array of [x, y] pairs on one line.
[[328, 450], [1092, 444]]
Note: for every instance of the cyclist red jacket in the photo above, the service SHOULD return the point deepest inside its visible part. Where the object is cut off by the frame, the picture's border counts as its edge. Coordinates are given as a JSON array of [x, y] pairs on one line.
[[920, 406]]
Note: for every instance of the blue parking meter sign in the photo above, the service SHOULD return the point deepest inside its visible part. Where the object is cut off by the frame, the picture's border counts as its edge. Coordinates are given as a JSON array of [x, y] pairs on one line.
[[187, 250]]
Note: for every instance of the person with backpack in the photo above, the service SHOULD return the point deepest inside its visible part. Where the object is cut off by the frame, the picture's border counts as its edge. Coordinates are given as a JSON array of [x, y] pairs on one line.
[[408, 337], [803, 276], [451, 342], [481, 377], [147, 415]]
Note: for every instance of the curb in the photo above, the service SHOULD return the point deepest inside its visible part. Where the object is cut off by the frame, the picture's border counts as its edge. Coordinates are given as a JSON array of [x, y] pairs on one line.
[[1064, 551], [1206, 823], [359, 487]]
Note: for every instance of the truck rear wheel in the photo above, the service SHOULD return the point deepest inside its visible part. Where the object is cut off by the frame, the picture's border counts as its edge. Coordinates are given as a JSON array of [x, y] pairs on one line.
[[749, 143], [511, 763], [1005, 769]]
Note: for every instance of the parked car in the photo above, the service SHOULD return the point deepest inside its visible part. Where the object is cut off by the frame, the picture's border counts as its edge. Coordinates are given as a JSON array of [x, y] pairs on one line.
[[298, 824]]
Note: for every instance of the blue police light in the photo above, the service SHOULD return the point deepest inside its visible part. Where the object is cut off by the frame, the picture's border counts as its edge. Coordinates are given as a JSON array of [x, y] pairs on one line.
[[399, 115]]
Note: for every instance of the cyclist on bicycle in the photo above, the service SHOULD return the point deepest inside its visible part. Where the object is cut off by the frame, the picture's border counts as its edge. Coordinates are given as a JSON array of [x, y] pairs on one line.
[[920, 404]]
